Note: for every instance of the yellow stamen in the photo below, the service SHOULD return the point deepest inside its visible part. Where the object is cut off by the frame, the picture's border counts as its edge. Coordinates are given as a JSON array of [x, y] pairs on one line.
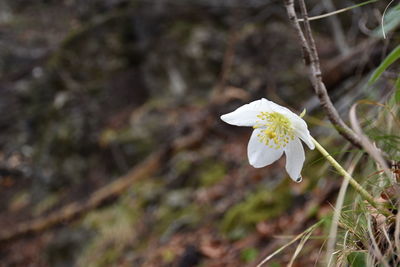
[[276, 130]]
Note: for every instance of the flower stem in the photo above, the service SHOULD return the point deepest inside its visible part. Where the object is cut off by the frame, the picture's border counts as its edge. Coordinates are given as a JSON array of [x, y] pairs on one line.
[[367, 196]]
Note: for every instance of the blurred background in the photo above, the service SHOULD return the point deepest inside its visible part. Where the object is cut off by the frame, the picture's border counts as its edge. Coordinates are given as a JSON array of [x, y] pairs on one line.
[[112, 152]]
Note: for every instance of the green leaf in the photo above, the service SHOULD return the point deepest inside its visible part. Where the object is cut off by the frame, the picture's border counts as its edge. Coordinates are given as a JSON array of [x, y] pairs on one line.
[[397, 94], [357, 259], [397, 84], [392, 57], [249, 254]]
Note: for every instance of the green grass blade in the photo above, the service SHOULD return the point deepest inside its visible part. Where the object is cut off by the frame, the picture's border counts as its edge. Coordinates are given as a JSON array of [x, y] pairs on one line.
[[397, 93], [397, 84], [391, 22], [340, 10], [392, 57]]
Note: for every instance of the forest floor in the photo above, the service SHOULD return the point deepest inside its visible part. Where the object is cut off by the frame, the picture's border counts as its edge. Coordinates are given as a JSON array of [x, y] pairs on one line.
[[112, 151]]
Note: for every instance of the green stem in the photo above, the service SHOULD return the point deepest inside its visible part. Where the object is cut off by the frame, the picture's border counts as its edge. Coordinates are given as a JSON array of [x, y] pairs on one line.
[[367, 196]]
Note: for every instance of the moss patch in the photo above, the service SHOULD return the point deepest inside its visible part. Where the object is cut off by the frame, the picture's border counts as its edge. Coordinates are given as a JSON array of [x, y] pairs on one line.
[[211, 173], [114, 227], [258, 206], [172, 218]]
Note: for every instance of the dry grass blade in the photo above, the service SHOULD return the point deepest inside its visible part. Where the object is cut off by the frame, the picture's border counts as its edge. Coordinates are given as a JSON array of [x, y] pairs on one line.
[[299, 248], [339, 11], [383, 17], [367, 145], [303, 234], [375, 247], [389, 242], [397, 232], [338, 209]]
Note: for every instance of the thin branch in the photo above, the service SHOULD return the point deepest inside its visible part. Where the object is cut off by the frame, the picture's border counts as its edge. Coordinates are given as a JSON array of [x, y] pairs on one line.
[[145, 169], [311, 59], [228, 60], [76, 209]]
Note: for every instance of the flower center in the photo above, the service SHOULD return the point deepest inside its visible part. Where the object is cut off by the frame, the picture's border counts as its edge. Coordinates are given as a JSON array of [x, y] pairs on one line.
[[276, 129]]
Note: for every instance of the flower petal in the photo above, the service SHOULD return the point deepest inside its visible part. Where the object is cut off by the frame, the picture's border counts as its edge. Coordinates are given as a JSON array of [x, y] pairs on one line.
[[280, 109], [299, 125], [261, 155], [306, 137], [300, 128], [246, 115], [294, 159]]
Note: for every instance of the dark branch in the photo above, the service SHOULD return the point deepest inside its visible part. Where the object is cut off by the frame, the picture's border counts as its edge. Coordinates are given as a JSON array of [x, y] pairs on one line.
[[311, 59]]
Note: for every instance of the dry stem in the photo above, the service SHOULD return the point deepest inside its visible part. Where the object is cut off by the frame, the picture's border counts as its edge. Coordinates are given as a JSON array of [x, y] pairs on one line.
[[311, 59]]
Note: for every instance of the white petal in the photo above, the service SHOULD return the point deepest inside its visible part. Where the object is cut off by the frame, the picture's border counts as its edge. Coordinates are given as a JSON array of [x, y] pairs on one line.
[[299, 125], [306, 137], [300, 129], [294, 159], [246, 115], [280, 109], [261, 155]]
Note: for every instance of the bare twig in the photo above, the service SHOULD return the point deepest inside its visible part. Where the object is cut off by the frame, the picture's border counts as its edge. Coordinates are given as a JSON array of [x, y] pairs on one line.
[[145, 169], [75, 209], [311, 59], [228, 59], [227, 64]]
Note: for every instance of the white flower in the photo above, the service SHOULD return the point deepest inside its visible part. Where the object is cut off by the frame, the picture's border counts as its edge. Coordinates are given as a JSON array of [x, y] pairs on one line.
[[276, 130]]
